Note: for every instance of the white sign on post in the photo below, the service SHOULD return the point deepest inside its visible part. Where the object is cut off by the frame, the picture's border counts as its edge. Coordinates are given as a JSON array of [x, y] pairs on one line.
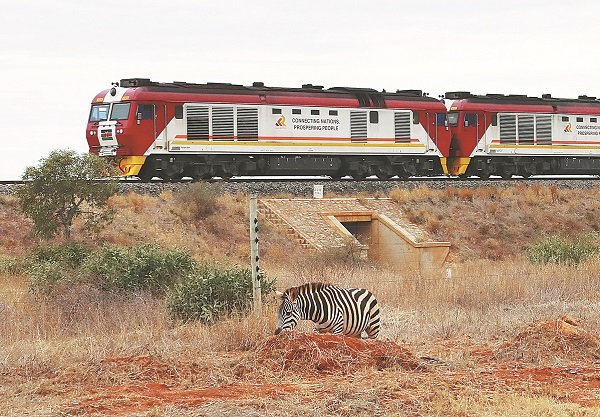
[[318, 191]]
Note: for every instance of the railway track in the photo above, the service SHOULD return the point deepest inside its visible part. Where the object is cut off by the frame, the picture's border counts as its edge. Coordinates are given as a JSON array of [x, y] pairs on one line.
[[303, 187]]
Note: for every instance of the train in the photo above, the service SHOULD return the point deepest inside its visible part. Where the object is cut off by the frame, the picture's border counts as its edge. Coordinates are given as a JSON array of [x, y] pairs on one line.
[[181, 129], [506, 135]]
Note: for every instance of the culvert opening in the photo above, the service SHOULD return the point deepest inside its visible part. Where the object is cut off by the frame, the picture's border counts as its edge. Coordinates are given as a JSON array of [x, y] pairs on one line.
[[361, 230]]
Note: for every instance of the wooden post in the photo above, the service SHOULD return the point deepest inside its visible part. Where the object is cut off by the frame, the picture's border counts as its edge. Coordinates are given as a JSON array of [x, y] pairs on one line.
[[256, 290]]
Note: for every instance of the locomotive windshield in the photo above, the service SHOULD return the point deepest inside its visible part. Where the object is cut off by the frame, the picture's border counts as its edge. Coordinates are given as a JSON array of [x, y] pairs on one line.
[[99, 113], [120, 111], [453, 118]]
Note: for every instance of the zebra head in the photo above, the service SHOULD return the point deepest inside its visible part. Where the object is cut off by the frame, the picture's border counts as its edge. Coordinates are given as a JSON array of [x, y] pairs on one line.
[[288, 313]]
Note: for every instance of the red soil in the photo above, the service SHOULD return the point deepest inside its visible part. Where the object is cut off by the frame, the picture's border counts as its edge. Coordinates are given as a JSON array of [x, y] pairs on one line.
[[138, 384], [560, 341], [331, 354], [123, 400]]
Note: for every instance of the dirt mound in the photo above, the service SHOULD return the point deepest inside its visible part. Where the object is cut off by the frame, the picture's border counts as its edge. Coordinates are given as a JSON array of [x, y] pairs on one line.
[[331, 354], [561, 340]]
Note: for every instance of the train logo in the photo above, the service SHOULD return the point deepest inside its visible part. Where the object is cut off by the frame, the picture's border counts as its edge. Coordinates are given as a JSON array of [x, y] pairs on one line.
[[568, 128], [280, 122]]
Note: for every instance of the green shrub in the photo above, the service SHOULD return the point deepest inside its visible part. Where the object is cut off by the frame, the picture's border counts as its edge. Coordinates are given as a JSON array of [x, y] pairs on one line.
[[141, 267], [46, 274], [47, 265], [213, 290], [558, 250], [12, 266], [70, 254]]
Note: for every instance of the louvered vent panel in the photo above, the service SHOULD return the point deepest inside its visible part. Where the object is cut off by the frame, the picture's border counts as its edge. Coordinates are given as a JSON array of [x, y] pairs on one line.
[[222, 123], [247, 123], [402, 127], [358, 126], [508, 128], [197, 122], [543, 129], [525, 129]]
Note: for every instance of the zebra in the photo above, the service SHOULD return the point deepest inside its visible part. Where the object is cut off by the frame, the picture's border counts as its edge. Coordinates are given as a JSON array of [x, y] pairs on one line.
[[348, 311]]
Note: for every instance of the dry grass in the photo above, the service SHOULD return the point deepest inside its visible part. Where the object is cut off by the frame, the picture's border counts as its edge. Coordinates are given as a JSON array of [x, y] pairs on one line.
[[132, 342], [497, 223], [482, 326]]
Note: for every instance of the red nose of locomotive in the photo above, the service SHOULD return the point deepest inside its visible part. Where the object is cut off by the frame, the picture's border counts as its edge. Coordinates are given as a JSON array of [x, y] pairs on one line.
[[113, 129]]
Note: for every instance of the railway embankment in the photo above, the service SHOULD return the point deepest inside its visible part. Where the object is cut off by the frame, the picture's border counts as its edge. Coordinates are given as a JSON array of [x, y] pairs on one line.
[[304, 187]]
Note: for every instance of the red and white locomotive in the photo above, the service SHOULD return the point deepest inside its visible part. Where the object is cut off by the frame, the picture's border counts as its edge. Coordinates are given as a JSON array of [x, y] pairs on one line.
[[510, 135], [171, 130]]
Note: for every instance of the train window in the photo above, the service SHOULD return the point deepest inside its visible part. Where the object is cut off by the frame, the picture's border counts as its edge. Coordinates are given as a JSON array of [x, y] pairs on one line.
[[296, 111], [373, 117], [315, 112], [470, 119], [580, 119], [495, 119], [179, 112], [440, 119], [565, 118], [145, 111], [276, 111], [416, 119], [593, 120], [99, 113], [333, 112], [120, 111], [453, 118]]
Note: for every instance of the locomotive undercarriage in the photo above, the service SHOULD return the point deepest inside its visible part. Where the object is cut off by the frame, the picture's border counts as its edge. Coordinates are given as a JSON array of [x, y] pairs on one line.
[[526, 166], [198, 167]]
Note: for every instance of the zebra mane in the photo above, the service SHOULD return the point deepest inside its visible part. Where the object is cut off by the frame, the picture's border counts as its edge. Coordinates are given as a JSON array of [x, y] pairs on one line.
[[294, 292]]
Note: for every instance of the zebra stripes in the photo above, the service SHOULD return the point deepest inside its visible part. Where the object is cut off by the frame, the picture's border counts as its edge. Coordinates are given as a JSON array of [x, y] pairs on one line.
[[348, 311]]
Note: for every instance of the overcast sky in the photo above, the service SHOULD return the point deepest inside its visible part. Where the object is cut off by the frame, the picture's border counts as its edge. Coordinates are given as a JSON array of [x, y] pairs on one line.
[[56, 55]]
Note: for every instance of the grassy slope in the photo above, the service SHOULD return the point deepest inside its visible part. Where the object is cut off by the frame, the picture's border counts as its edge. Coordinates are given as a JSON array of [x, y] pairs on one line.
[[482, 223]]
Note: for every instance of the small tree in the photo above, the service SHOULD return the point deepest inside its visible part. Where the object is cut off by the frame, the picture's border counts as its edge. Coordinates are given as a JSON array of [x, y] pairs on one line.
[[60, 189]]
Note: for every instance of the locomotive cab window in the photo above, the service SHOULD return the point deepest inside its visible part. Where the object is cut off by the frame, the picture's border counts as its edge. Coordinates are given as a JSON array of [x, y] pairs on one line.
[[440, 119], [99, 113], [453, 118], [145, 112], [470, 119], [373, 117], [120, 111], [495, 119], [179, 112], [416, 119]]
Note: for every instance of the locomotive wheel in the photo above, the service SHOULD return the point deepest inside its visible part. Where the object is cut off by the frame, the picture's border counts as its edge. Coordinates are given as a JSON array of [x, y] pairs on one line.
[[201, 172], [171, 175], [384, 175], [359, 175], [172, 178]]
